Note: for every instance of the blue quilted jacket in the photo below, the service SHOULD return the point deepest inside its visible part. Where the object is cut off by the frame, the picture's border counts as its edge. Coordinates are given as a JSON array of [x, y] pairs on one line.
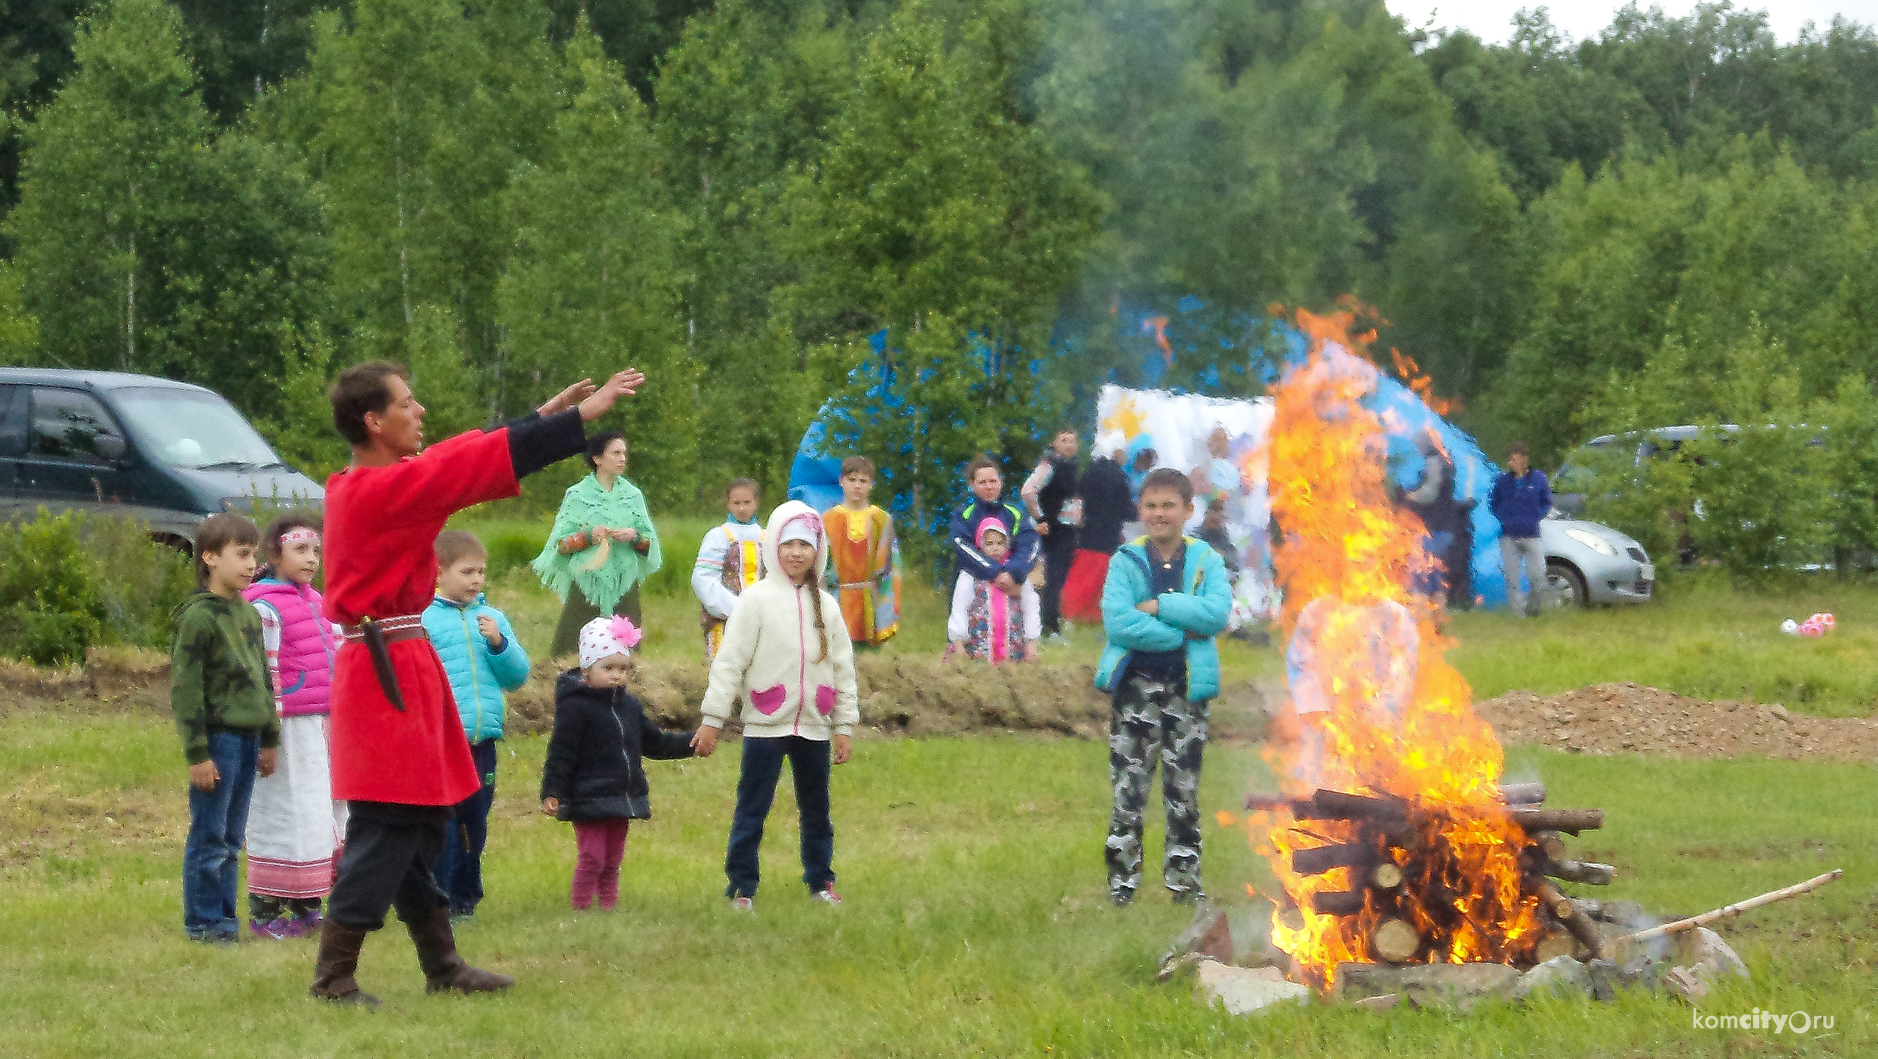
[[1194, 616], [478, 676]]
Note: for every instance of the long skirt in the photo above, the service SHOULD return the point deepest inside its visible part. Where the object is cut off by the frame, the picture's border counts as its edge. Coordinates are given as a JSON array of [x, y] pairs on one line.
[[295, 829], [577, 612], [1082, 589]]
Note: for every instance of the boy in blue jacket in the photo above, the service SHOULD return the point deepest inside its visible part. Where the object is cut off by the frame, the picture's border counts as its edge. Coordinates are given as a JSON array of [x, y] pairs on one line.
[[1166, 598], [483, 659]]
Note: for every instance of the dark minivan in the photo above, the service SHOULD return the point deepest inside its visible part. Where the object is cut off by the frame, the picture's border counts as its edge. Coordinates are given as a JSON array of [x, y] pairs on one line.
[[167, 453]]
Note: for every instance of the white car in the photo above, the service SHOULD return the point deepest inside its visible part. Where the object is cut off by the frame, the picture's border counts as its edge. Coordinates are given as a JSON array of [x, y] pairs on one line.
[[1589, 563]]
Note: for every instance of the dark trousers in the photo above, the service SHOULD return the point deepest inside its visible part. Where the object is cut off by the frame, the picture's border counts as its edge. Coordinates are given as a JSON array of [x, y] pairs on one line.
[[1059, 550], [218, 826], [460, 865], [756, 789], [390, 852], [576, 612]]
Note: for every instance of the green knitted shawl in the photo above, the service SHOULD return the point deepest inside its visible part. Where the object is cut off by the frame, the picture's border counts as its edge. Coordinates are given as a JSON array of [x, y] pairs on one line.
[[585, 506]]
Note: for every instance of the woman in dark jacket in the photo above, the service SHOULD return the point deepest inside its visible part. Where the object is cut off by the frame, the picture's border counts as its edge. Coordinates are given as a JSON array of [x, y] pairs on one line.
[[1107, 503], [594, 777]]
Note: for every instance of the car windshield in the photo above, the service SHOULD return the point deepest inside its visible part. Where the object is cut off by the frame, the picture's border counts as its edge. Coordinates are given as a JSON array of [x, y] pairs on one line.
[[190, 428]]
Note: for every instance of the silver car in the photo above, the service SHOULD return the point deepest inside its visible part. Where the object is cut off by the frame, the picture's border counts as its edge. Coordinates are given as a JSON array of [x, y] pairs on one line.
[[1588, 563]]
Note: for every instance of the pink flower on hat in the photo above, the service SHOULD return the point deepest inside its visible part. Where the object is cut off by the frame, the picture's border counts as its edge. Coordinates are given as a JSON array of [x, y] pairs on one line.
[[625, 631], [604, 637]]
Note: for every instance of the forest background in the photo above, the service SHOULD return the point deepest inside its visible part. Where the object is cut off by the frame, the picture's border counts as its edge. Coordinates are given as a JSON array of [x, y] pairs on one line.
[[1672, 222]]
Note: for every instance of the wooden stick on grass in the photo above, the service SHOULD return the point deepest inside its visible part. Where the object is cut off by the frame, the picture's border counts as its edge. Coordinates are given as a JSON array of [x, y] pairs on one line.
[[1736, 909]]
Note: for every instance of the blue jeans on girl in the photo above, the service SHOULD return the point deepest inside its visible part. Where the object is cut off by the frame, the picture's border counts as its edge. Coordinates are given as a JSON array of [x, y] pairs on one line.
[[218, 825], [809, 761]]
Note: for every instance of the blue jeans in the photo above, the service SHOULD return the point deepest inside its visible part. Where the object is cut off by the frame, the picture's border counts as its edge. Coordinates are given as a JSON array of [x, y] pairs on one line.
[[460, 866], [756, 788], [218, 823]]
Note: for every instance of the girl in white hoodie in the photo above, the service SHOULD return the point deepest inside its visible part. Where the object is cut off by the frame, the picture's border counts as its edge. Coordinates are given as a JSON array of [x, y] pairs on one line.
[[786, 653]]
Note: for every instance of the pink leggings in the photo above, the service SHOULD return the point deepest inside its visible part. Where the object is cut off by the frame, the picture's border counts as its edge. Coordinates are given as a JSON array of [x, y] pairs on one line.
[[601, 844]]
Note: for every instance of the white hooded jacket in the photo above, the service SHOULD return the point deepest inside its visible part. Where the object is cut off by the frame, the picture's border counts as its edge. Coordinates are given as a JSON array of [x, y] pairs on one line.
[[771, 655]]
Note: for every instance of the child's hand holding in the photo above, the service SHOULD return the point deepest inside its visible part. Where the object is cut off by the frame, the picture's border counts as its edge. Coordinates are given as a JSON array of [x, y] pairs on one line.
[[551, 806], [203, 776], [490, 630], [844, 745], [266, 761], [704, 744]]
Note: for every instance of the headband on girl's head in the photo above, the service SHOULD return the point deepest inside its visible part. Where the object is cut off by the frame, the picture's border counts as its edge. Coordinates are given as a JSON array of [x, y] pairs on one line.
[[804, 527], [300, 535]]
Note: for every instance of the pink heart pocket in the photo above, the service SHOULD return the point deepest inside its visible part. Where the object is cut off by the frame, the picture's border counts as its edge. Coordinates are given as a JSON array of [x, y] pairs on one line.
[[769, 700], [824, 699]]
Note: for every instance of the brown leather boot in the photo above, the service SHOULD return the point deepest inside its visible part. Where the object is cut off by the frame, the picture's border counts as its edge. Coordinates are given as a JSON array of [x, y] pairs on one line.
[[338, 959], [443, 968]]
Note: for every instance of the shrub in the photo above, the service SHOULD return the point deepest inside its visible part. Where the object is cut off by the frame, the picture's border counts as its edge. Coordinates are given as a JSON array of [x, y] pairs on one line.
[[147, 581], [511, 549], [51, 591]]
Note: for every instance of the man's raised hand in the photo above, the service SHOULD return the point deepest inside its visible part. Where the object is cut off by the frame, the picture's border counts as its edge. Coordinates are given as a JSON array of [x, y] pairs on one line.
[[567, 398], [622, 384]]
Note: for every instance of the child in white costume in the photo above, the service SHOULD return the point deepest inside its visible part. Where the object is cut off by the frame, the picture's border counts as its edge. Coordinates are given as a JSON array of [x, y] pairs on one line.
[[730, 559]]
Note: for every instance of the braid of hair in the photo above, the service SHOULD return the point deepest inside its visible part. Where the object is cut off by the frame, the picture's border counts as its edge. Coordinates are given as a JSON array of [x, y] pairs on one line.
[[821, 629]]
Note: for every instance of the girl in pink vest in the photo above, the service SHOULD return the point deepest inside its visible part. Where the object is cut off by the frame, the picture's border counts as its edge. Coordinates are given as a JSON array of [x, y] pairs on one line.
[[295, 829], [986, 624]]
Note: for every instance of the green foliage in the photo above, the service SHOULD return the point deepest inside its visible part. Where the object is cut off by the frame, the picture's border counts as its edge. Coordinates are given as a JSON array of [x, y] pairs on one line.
[[19, 330], [147, 581], [511, 550], [302, 432], [51, 590], [143, 244], [593, 285]]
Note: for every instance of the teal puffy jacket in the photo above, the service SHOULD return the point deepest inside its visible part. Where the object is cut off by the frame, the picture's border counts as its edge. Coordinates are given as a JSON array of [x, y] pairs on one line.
[[1194, 616], [478, 676]]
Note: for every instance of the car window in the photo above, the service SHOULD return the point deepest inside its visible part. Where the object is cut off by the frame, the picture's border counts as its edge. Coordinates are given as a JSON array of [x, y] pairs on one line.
[[191, 428], [65, 424], [12, 420]]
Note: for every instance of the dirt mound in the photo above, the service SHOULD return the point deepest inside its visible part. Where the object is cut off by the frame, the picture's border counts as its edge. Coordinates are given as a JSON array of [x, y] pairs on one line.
[[1626, 718], [903, 695]]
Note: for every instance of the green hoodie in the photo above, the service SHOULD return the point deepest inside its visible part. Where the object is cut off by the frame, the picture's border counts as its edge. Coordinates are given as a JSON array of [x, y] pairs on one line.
[[218, 674]]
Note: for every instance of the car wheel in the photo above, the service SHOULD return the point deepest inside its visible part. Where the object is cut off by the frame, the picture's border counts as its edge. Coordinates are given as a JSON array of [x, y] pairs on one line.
[[1565, 586]]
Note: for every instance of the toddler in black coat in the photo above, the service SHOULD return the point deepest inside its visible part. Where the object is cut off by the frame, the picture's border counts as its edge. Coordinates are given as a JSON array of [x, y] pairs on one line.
[[594, 777]]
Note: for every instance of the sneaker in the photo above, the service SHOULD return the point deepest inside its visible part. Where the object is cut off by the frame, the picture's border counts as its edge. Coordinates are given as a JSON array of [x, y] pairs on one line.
[[826, 895], [308, 924], [742, 904], [462, 915], [1056, 638], [269, 929], [1121, 898]]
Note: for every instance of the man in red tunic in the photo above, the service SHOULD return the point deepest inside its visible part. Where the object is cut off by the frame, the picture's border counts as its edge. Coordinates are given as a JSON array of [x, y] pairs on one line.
[[399, 756]]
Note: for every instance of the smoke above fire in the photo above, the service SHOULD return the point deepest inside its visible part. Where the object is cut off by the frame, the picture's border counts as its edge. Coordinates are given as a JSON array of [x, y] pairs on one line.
[[1374, 707]]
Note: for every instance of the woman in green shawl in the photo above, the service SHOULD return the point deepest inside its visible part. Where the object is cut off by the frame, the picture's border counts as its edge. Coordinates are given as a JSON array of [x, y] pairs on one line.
[[602, 545]]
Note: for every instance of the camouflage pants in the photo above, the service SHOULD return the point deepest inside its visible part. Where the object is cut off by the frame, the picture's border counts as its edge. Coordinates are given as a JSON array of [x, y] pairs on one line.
[[1150, 720]]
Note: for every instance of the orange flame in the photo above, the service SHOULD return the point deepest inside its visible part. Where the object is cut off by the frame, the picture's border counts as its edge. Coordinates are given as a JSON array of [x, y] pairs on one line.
[[1158, 325], [1375, 707]]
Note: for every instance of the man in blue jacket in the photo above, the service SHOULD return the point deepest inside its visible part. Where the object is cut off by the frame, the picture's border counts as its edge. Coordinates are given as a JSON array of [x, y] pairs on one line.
[[988, 502], [1165, 601], [1521, 498], [483, 660]]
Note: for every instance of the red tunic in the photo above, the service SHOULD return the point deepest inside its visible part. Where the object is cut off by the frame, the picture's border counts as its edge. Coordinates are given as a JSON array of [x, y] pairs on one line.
[[381, 561]]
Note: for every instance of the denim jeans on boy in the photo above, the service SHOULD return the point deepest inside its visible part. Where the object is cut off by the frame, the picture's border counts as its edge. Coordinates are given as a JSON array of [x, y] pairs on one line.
[[218, 824], [460, 866], [756, 788]]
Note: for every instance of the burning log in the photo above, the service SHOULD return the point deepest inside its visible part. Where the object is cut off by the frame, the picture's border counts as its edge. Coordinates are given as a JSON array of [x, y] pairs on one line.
[[1737, 908], [1321, 859], [1557, 942], [1341, 805], [1588, 872], [1571, 821], [1522, 793], [1549, 843], [1565, 910], [1338, 902], [1385, 876], [1394, 941]]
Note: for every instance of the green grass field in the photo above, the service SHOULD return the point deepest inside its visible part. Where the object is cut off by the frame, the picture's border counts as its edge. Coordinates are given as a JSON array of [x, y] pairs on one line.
[[975, 921]]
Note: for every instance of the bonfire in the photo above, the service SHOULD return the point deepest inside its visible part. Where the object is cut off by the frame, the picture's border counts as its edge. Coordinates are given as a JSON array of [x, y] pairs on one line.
[[1393, 838]]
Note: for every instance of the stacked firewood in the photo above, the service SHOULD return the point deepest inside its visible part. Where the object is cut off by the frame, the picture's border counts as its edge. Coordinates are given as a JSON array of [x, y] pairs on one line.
[[1385, 852]]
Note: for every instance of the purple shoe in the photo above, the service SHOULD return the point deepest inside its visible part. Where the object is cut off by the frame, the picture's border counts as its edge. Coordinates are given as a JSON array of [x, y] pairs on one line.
[[307, 924], [270, 929]]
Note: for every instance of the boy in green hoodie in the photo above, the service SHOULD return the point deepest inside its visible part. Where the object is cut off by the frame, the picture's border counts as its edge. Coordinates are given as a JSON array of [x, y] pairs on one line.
[[223, 699]]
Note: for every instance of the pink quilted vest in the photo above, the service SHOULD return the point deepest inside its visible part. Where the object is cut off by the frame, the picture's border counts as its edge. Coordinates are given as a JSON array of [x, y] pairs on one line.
[[306, 646]]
